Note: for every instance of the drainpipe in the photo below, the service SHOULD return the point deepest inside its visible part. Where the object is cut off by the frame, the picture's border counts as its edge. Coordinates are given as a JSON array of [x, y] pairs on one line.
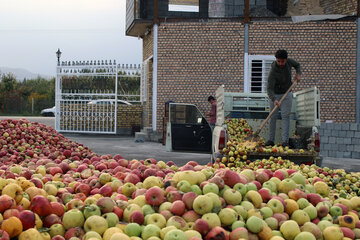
[[155, 65], [357, 116], [246, 44]]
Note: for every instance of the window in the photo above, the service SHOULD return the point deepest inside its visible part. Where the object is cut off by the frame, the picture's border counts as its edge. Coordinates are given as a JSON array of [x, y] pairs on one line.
[[184, 5], [258, 71]]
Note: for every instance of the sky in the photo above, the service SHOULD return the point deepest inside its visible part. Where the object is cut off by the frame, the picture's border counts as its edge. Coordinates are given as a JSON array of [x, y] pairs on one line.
[[31, 31]]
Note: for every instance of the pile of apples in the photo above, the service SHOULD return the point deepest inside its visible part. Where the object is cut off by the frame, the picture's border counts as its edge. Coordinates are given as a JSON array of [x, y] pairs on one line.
[[85, 196], [239, 146]]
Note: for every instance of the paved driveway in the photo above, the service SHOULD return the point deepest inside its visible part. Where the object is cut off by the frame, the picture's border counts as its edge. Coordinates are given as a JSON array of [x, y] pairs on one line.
[[129, 149]]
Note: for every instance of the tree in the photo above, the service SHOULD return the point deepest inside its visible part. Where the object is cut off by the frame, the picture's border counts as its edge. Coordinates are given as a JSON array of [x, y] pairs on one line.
[[8, 82]]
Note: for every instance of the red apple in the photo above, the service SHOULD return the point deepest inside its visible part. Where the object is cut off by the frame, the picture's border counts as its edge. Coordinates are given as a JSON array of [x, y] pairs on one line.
[[188, 198], [6, 202], [154, 196], [106, 204], [57, 208], [231, 178], [27, 218], [106, 191], [77, 232], [51, 219], [201, 226], [217, 233], [172, 196], [4, 235], [41, 206], [177, 208], [137, 217], [265, 194]]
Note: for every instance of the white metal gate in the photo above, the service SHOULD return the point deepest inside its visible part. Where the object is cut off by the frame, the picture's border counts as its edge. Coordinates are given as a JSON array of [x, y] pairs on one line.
[[88, 95]]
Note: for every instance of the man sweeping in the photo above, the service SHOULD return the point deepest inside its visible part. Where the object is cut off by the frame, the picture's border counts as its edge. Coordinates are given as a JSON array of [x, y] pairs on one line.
[[279, 81]]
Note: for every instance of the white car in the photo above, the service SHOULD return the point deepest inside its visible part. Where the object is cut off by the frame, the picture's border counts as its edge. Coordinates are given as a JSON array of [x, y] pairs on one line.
[[108, 101], [48, 112]]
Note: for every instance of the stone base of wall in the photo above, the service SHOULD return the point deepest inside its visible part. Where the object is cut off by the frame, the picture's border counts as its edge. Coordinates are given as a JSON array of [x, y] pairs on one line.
[[340, 140]]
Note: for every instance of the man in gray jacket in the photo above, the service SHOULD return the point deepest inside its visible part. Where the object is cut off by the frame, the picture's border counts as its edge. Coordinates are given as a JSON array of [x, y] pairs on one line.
[[279, 81]]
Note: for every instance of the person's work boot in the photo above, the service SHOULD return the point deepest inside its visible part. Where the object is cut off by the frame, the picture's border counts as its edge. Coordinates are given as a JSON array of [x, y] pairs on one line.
[[269, 143], [285, 144]]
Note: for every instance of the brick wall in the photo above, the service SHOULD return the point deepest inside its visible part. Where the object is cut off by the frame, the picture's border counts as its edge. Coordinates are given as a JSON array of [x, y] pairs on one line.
[[194, 58], [148, 45], [327, 53], [148, 49], [346, 7]]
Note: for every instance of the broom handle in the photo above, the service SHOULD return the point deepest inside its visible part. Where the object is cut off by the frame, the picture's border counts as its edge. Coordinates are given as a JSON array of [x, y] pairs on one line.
[[276, 107]]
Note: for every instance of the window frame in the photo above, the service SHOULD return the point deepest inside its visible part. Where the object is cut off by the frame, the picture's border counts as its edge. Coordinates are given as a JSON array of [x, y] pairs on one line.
[[247, 82]]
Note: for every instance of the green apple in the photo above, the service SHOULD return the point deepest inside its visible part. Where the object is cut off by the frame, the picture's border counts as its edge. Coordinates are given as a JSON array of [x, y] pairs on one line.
[[241, 188], [57, 229], [157, 219], [150, 230], [165, 206], [237, 224], [272, 223], [221, 193], [128, 189], [73, 218], [165, 230], [111, 218], [266, 212], [184, 186], [336, 211], [210, 187], [311, 211], [254, 197], [104, 178], [298, 178], [324, 224], [133, 230], [196, 189], [251, 186], [129, 210], [232, 197], [147, 209], [228, 216], [91, 210], [286, 185], [216, 201], [202, 204], [255, 224], [271, 185], [192, 234], [312, 228], [175, 234], [241, 210], [309, 188], [303, 203], [212, 219], [305, 236], [300, 216], [289, 229], [277, 233], [247, 205], [96, 223], [275, 205], [92, 235]]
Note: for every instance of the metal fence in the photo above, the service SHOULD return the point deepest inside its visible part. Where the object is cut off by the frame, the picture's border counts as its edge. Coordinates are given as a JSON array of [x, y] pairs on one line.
[[89, 94]]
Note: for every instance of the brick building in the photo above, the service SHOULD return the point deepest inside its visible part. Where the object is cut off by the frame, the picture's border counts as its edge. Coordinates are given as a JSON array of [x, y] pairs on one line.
[[187, 55]]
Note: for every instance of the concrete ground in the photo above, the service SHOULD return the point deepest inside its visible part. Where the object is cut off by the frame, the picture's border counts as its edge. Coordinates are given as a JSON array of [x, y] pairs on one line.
[[129, 149]]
